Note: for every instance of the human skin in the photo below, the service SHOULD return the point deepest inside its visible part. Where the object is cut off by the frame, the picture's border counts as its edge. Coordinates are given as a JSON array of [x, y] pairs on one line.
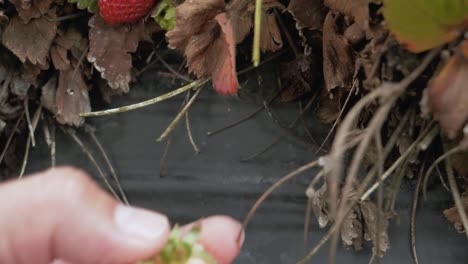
[[62, 214]]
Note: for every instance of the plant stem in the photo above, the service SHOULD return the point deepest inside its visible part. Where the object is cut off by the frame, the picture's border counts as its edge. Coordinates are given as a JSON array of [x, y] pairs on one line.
[[257, 33], [193, 85]]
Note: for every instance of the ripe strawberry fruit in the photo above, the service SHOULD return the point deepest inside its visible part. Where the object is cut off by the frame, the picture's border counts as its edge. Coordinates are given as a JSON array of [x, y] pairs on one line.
[[124, 11]]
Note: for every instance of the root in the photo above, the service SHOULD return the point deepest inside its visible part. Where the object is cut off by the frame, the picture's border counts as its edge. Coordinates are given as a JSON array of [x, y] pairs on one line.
[[74, 136], [179, 116], [11, 136], [92, 133], [443, 157], [265, 195], [414, 207], [456, 194]]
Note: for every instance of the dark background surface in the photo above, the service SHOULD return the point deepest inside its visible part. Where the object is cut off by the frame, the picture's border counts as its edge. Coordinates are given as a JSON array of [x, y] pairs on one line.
[[217, 182]]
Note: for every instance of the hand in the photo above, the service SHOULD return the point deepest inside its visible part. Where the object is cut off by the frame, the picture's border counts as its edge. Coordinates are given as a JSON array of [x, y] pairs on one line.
[[62, 214]]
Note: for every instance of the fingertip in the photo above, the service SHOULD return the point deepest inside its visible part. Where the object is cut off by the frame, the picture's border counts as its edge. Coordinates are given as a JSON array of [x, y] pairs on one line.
[[219, 237]]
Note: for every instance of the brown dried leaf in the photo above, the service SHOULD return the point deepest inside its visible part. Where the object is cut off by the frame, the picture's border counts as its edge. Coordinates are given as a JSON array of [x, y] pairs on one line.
[[30, 72], [307, 13], [30, 41], [207, 39], [319, 204], [447, 96], [192, 20], [351, 230], [29, 9], [271, 39], [48, 96], [298, 75], [59, 58], [329, 106], [338, 62], [356, 9], [72, 98], [459, 163], [71, 41], [453, 216], [109, 48], [241, 16], [19, 86], [369, 214]]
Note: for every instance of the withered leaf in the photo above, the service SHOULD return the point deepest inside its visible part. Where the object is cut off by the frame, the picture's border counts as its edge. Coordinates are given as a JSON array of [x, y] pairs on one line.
[[319, 204], [338, 62], [48, 96], [352, 230], [329, 106], [298, 75], [447, 96], [206, 37], [453, 216], [19, 86], [356, 9], [271, 39], [369, 214], [30, 41], [71, 41], [30, 72], [307, 13], [59, 58], [72, 97], [192, 17], [241, 16], [110, 47], [29, 9]]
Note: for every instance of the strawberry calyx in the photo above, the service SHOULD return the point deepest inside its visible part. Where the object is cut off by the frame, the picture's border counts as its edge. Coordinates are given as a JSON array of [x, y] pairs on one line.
[[182, 249]]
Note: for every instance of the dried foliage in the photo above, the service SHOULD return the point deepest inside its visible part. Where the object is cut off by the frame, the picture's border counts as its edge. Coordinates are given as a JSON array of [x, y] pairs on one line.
[[354, 61]]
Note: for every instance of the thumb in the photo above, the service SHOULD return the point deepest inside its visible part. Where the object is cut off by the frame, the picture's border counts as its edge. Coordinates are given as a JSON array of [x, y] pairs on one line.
[[63, 214]]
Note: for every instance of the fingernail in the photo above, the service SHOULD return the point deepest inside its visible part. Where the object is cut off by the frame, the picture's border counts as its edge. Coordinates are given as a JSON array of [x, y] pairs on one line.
[[141, 224]]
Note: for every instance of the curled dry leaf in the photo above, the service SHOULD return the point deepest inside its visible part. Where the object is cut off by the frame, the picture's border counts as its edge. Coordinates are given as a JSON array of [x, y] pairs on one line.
[[446, 97], [351, 230], [307, 13], [29, 9], [329, 106], [241, 15], [356, 9], [369, 214], [453, 216], [205, 34], [319, 204], [72, 97], [271, 39], [110, 47], [48, 95], [30, 41], [338, 62]]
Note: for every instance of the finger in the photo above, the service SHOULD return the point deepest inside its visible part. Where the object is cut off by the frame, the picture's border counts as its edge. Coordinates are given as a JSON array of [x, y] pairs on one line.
[[219, 237], [63, 214]]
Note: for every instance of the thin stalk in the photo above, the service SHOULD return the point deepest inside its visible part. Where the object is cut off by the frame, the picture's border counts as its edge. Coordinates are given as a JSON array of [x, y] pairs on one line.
[[277, 184], [193, 85], [179, 116], [25, 158], [11, 136], [257, 33]]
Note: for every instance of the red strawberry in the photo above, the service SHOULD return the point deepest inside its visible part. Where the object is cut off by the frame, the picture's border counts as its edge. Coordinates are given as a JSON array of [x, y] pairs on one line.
[[124, 11]]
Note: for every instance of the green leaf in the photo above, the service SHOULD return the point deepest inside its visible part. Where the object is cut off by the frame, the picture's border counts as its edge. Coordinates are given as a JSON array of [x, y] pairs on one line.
[[165, 15], [90, 5], [420, 25]]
